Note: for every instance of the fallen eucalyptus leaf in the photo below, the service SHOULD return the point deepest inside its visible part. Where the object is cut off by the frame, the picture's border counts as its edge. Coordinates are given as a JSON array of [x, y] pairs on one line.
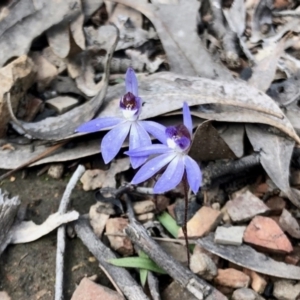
[[177, 32], [169, 223], [242, 102], [59, 127], [275, 156], [233, 135], [247, 257], [28, 231], [22, 26], [136, 262]]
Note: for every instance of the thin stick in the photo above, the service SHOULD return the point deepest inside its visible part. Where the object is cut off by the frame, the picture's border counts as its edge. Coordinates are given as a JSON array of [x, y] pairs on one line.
[[184, 227], [33, 160], [61, 233], [113, 282]]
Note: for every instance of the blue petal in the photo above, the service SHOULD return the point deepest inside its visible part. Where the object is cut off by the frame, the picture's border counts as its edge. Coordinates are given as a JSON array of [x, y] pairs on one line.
[[131, 82], [157, 130], [113, 140], [149, 150], [171, 177], [98, 124], [193, 172], [138, 138], [187, 118], [152, 167]]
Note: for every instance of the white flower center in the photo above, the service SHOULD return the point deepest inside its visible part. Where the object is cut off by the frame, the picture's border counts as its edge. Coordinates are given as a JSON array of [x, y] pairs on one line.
[[173, 145], [129, 114]]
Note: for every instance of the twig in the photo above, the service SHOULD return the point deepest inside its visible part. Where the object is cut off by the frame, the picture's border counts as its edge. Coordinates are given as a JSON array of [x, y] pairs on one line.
[[33, 160], [198, 287], [153, 286], [61, 233], [121, 276], [291, 100], [111, 280]]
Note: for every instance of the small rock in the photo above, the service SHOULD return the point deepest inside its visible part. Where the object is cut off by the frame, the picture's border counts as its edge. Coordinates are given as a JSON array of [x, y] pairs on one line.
[[276, 204], [89, 290], [258, 282], [4, 296], [245, 207], [205, 220], [232, 278], [246, 294], [142, 207], [199, 249], [289, 224], [56, 171], [121, 244], [62, 104], [145, 217], [225, 216], [161, 203], [216, 206], [202, 265], [97, 220], [93, 179], [175, 291], [264, 232], [232, 235], [178, 251], [261, 189], [286, 290], [171, 210]]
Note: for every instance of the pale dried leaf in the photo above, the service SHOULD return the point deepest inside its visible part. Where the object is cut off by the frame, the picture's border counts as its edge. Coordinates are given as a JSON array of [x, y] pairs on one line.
[[59, 39], [28, 231], [17, 37], [59, 127], [177, 32], [236, 16], [247, 257], [76, 28], [275, 156]]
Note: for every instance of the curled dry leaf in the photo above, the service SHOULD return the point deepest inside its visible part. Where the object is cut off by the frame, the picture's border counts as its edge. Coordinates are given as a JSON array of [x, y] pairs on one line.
[[21, 26], [55, 128], [94, 179], [28, 231], [275, 155], [247, 257]]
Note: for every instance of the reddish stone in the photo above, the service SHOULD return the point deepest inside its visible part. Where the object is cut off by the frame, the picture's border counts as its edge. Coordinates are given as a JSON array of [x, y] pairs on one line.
[[265, 233], [89, 290], [232, 278], [205, 220]]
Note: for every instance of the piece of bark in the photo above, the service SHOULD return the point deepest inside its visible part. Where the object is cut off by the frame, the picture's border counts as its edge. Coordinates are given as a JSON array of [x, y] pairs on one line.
[[8, 210], [123, 279], [196, 286]]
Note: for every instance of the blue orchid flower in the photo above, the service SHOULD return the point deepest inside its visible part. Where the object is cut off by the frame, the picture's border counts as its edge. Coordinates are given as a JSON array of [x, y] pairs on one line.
[[130, 106], [173, 154]]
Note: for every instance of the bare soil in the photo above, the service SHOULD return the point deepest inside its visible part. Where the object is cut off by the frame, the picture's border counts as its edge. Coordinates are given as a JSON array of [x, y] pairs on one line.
[[27, 271]]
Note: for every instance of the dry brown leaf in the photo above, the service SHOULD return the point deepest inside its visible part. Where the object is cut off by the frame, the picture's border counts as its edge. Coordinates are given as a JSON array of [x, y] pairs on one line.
[[16, 78], [94, 179]]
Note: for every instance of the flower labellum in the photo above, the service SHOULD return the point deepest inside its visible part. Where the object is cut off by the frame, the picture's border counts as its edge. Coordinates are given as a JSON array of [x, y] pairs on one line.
[[173, 155], [138, 131]]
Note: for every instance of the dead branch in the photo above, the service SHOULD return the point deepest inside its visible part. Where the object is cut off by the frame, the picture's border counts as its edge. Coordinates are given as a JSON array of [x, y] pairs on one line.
[[123, 279], [196, 286], [61, 233], [8, 210]]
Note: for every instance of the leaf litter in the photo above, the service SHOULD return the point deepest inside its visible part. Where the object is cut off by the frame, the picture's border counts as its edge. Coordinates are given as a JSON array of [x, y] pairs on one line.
[[236, 66]]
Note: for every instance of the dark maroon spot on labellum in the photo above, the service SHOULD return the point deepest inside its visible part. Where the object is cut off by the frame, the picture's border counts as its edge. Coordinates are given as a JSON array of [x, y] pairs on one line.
[[128, 101]]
